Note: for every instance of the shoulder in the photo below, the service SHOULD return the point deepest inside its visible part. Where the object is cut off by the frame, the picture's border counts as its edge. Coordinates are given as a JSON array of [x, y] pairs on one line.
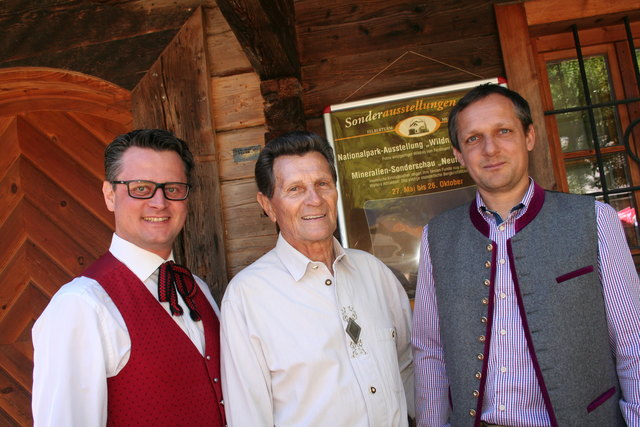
[[256, 274]]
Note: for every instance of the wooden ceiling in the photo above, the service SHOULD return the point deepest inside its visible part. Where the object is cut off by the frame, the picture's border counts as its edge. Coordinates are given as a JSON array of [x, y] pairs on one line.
[[335, 47]]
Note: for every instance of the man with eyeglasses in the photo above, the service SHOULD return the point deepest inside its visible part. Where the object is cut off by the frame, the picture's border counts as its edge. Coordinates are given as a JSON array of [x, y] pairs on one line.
[[135, 338]]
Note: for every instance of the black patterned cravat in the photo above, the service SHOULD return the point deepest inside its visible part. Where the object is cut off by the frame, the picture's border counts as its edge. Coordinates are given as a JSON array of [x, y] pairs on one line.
[[174, 277]]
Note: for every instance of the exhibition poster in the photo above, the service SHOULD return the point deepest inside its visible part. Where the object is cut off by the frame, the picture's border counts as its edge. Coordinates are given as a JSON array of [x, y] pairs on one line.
[[396, 171]]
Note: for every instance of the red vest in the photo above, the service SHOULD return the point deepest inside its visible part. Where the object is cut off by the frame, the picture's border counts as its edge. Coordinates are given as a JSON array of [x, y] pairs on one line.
[[166, 380]]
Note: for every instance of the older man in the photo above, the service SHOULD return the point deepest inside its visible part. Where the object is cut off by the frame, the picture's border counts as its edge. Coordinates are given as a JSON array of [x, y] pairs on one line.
[[135, 339], [527, 310], [313, 334]]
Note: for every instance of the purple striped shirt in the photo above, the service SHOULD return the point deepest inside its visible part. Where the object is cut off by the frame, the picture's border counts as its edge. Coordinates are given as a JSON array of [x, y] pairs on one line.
[[512, 394]]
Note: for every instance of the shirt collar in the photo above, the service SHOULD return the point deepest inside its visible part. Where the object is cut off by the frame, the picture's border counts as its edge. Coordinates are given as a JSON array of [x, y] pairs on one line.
[[141, 262], [296, 262], [522, 206]]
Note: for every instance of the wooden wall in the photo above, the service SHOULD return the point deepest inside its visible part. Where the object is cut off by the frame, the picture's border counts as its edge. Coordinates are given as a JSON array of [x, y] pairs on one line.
[[203, 88]]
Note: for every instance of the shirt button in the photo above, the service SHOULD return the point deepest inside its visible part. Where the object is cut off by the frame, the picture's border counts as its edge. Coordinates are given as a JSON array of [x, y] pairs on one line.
[[315, 267], [502, 407], [503, 369], [393, 333], [327, 282], [502, 261], [501, 228], [503, 332], [373, 390], [503, 295]]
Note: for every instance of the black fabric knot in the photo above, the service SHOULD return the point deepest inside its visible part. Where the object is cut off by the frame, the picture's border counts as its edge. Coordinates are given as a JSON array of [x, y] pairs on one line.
[[174, 278]]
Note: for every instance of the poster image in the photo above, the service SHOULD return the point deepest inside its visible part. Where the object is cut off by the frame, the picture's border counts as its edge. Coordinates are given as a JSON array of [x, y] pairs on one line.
[[396, 171]]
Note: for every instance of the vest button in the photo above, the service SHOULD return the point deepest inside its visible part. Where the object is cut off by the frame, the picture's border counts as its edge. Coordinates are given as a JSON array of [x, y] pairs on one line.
[[222, 402], [483, 319], [478, 375], [486, 282], [485, 301], [208, 357], [487, 264], [472, 412], [489, 247], [480, 356], [482, 338], [215, 380], [476, 393]]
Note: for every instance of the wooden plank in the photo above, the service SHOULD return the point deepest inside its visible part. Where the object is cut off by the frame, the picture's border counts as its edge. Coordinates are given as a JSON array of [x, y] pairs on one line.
[[237, 101], [70, 175], [13, 279], [588, 37], [70, 137], [12, 235], [8, 145], [379, 25], [65, 212], [102, 128], [54, 242], [245, 217], [179, 85], [223, 49], [45, 274], [20, 367], [237, 152], [10, 190], [266, 31], [522, 77], [370, 74], [15, 401], [543, 12], [243, 252]]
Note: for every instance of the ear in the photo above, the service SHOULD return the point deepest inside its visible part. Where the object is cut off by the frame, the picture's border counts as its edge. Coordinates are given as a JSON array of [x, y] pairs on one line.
[[265, 202], [109, 195], [458, 155], [530, 138]]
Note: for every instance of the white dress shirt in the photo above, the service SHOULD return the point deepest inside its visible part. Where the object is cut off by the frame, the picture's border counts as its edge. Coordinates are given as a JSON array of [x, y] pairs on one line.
[[286, 358], [512, 393], [81, 339]]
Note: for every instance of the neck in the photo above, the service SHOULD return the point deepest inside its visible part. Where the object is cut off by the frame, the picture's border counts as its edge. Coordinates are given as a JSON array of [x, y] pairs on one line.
[[317, 251], [503, 202]]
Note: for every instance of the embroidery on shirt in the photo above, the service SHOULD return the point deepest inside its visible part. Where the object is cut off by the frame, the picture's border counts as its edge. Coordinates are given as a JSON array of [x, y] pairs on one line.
[[349, 315]]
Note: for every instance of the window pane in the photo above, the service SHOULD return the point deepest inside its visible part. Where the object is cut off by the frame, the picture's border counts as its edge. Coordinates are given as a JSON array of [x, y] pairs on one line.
[[575, 131], [583, 176], [567, 91], [627, 209]]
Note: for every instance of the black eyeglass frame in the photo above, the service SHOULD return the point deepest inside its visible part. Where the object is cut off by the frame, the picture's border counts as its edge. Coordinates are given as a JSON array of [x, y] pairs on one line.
[[153, 193]]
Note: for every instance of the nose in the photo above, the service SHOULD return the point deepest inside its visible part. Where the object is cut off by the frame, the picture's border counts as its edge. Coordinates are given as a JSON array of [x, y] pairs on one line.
[[312, 197], [490, 146], [158, 200]]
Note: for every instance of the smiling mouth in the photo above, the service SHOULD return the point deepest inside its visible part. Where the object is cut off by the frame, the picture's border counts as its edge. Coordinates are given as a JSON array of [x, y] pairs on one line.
[[155, 219], [313, 217]]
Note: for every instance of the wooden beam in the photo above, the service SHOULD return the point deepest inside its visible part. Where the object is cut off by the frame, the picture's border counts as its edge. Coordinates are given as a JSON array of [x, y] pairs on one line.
[[266, 31], [523, 78]]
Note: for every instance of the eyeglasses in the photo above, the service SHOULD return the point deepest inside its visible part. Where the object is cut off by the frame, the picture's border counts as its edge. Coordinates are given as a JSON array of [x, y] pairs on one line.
[[139, 189]]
